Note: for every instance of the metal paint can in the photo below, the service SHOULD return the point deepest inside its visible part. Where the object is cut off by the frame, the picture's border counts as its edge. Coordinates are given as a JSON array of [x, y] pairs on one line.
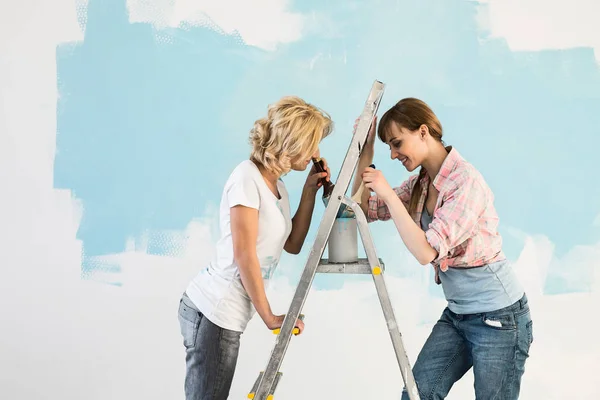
[[343, 241]]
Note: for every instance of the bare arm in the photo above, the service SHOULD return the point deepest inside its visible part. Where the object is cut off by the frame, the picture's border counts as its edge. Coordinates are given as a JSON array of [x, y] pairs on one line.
[[303, 216], [366, 159], [412, 235], [244, 231], [301, 222]]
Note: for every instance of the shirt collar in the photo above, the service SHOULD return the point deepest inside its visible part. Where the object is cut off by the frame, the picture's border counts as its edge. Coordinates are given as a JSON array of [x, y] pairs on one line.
[[450, 162]]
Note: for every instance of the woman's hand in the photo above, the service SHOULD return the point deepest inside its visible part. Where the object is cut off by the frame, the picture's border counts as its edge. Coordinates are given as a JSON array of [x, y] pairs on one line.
[[313, 181], [375, 181], [277, 321]]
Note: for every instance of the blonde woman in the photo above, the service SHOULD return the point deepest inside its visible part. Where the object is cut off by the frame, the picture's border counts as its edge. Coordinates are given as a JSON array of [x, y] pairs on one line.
[[256, 225]]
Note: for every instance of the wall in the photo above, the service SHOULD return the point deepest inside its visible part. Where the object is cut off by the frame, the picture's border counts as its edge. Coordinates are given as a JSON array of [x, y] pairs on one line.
[[121, 120]]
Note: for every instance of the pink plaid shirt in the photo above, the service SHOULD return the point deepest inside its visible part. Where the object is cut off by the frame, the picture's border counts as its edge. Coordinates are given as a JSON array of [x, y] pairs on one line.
[[464, 226]]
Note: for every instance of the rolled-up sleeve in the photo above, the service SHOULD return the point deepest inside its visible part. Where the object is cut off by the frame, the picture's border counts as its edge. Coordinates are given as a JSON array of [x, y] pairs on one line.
[[457, 218], [379, 211]]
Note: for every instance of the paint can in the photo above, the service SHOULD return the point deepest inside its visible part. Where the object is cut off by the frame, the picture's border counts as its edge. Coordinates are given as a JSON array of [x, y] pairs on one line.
[[343, 245]]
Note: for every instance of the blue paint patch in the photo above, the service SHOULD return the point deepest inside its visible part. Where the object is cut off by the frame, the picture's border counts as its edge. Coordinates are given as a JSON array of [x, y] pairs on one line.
[[151, 123]]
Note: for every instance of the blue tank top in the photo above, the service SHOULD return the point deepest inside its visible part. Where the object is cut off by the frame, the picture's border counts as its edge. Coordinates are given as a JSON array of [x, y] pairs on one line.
[[478, 289]]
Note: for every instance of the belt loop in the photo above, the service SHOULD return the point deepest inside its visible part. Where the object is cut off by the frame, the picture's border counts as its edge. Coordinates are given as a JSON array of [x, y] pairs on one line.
[[522, 302]]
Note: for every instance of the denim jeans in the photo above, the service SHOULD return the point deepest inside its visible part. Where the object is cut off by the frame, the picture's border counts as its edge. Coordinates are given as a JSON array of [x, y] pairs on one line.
[[211, 354], [496, 344]]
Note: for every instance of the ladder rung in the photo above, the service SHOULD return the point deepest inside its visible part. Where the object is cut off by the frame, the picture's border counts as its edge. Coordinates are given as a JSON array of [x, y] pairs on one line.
[[362, 266]]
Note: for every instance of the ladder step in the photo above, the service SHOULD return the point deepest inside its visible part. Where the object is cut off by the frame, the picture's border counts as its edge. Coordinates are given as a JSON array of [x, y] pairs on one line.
[[362, 266], [296, 331], [272, 393]]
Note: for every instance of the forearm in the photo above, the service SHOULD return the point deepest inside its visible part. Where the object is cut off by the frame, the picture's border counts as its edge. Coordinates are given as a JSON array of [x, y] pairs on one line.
[[366, 159], [412, 235], [301, 222], [252, 280]]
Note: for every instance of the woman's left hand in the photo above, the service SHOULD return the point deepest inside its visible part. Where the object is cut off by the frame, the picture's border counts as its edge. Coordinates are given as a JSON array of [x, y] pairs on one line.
[[313, 181], [375, 181]]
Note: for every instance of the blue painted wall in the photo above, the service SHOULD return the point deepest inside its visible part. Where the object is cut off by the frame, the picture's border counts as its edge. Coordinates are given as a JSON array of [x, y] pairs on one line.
[[150, 123]]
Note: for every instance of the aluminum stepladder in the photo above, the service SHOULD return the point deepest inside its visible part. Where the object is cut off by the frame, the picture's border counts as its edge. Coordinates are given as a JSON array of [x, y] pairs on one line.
[[267, 381]]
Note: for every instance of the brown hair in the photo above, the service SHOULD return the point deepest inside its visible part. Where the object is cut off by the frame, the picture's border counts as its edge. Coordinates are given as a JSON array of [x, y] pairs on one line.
[[411, 113]]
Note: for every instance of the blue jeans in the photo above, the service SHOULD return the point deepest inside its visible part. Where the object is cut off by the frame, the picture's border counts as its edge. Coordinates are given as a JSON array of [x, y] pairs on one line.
[[496, 344], [211, 354]]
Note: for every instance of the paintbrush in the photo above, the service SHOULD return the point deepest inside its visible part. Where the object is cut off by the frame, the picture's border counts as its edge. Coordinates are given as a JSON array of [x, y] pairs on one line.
[[327, 185], [344, 211]]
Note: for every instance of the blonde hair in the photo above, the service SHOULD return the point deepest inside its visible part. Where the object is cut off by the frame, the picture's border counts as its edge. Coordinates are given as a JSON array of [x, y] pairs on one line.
[[292, 129]]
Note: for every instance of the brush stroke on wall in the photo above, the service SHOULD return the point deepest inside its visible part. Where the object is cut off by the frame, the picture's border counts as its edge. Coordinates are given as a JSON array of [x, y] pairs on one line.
[[151, 120]]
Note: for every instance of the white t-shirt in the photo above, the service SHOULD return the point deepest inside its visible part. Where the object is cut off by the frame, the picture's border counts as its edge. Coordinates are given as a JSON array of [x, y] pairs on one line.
[[217, 290]]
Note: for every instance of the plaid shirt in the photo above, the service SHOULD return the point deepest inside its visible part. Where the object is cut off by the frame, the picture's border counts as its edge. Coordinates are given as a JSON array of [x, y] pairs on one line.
[[464, 226]]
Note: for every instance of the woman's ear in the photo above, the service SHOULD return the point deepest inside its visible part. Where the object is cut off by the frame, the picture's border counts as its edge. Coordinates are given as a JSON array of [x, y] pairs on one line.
[[423, 131]]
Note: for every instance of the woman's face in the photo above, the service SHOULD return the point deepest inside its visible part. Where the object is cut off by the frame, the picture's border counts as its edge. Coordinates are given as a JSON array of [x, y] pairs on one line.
[[408, 147], [300, 163]]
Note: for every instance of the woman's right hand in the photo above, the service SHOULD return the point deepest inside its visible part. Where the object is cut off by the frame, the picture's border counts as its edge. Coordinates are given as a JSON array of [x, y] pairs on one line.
[[276, 321]]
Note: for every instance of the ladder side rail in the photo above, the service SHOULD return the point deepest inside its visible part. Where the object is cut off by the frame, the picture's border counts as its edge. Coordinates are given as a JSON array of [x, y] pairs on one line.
[[384, 298]]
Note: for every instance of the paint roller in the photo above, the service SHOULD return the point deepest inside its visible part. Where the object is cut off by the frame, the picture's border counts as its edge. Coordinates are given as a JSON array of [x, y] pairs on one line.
[[344, 211]]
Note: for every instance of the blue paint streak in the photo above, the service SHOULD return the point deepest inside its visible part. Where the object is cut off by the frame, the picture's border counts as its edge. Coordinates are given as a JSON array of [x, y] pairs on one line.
[[148, 132], [139, 126]]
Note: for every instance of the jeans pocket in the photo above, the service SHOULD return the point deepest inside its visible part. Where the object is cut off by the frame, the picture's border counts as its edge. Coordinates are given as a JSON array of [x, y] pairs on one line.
[[499, 321], [230, 337], [530, 332], [189, 322]]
